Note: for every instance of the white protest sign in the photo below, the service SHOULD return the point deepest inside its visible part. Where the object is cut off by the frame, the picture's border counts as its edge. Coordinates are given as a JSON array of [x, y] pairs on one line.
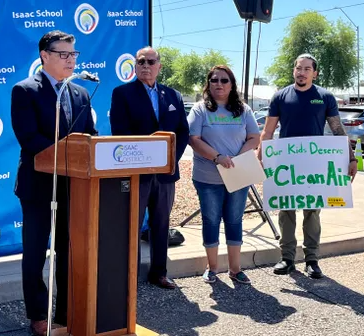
[[306, 173]]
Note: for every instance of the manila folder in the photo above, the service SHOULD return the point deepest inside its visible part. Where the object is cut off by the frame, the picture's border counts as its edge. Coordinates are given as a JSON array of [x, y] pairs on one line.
[[247, 171]]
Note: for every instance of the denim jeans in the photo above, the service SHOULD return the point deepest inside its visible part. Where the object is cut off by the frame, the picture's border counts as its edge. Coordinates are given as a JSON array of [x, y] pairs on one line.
[[217, 203]]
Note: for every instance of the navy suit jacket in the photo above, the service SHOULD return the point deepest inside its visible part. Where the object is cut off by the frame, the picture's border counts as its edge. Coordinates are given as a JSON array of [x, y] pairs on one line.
[[132, 113], [33, 117]]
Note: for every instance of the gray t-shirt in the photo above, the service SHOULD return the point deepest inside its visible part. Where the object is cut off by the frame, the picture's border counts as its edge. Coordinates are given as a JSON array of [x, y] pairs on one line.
[[222, 132]]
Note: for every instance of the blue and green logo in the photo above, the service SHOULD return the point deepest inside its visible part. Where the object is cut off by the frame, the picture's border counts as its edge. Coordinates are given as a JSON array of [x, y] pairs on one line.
[[118, 153], [317, 101], [86, 18]]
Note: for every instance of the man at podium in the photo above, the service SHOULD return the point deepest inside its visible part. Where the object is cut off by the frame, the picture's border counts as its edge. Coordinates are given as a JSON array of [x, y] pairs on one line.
[[142, 108], [33, 115]]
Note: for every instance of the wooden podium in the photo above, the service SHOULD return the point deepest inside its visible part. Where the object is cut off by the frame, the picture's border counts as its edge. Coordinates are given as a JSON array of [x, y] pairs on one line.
[[104, 225]]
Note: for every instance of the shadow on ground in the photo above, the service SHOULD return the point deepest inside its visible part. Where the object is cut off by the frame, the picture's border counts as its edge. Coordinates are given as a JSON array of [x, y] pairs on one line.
[[247, 301], [170, 312], [327, 290]]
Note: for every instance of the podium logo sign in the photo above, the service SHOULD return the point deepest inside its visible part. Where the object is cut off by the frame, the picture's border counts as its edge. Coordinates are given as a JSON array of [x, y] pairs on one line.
[[307, 173], [136, 154]]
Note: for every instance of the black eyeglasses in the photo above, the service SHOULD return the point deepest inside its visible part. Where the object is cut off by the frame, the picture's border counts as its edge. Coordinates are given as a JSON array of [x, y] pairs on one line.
[[65, 54], [149, 61], [221, 80]]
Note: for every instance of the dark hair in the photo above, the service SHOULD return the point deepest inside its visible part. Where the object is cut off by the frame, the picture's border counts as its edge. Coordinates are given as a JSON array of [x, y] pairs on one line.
[[45, 43], [310, 57], [235, 103]]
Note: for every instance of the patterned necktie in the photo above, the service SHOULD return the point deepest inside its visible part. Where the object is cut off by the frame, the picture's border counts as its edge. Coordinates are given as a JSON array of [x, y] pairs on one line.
[[65, 103]]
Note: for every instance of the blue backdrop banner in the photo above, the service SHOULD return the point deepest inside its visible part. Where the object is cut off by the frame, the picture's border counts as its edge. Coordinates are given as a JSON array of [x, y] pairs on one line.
[[108, 34]]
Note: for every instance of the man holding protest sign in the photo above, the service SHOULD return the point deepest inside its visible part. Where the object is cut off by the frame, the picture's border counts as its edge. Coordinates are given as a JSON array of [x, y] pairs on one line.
[[302, 110]]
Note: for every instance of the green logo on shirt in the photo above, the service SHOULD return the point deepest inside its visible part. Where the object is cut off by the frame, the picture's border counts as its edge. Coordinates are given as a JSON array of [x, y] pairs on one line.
[[317, 101], [221, 119]]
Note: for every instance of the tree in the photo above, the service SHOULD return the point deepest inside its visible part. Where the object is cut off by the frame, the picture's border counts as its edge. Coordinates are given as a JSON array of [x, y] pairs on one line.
[[211, 58], [332, 44], [185, 72], [168, 56]]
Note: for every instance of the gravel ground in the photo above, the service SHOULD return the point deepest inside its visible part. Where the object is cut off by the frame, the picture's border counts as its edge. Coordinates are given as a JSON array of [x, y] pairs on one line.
[[186, 200], [272, 305]]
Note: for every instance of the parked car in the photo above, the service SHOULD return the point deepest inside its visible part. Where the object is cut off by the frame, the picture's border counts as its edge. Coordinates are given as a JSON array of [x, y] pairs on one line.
[[262, 111], [261, 119], [352, 118], [188, 107]]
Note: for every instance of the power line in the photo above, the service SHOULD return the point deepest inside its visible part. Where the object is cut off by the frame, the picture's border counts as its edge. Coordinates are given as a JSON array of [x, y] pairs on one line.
[[240, 25], [195, 5], [162, 20], [202, 31], [171, 3], [208, 48], [222, 50]]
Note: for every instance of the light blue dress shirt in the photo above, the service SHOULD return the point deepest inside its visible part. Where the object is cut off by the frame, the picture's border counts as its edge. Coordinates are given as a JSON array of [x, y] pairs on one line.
[[153, 95]]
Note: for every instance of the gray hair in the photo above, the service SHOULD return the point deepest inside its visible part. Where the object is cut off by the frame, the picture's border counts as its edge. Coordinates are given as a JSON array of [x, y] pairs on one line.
[[146, 49]]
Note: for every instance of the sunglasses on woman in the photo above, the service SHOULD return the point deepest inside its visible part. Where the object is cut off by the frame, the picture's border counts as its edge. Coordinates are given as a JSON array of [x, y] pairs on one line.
[[149, 61], [222, 80]]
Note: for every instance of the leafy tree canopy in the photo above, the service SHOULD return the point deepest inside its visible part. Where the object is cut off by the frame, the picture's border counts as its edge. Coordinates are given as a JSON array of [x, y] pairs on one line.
[[185, 72], [332, 44]]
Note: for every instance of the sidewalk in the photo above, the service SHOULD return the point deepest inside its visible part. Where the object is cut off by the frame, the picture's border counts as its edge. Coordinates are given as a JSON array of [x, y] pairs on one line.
[[342, 232]]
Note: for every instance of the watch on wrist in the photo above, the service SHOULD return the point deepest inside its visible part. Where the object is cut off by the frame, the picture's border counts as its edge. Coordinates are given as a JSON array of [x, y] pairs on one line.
[[215, 158]]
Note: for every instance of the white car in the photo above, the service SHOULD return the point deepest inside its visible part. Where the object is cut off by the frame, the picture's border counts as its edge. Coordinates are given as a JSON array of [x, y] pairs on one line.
[[188, 107], [261, 119], [263, 111]]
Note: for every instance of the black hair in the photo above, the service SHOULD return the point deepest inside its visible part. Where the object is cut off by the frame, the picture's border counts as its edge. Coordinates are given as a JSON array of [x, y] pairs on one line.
[[45, 43], [310, 57], [235, 103]]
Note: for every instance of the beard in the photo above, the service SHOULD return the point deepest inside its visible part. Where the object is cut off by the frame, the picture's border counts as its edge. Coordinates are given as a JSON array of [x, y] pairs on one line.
[[301, 84], [301, 81]]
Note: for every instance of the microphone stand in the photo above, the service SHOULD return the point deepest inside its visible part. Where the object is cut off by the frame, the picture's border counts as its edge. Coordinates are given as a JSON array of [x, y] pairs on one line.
[[54, 205]]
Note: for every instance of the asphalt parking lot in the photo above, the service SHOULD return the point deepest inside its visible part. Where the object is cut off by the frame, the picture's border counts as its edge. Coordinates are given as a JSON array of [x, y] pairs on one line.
[[273, 305]]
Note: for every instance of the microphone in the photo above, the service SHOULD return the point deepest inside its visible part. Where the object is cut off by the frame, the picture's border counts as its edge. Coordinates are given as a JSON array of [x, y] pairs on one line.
[[87, 76]]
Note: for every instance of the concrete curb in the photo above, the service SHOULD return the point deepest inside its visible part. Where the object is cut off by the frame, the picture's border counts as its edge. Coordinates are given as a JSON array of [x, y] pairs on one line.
[[11, 285], [252, 257]]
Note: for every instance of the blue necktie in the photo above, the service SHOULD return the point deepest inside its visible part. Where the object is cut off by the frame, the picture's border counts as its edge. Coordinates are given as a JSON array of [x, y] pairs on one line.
[[153, 95]]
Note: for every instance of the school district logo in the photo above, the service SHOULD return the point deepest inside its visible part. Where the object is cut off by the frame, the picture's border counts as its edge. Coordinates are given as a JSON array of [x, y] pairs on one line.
[[1, 127], [118, 153], [35, 67], [86, 18], [125, 68]]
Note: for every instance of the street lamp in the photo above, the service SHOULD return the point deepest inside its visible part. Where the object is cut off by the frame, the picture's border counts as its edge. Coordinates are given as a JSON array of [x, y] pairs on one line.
[[357, 40]]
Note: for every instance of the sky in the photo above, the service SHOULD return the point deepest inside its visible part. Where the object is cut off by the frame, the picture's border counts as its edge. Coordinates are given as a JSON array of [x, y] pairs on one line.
[[200, 25]]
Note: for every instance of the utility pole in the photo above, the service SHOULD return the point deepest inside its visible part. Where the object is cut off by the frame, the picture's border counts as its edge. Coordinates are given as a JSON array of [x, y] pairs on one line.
[[247, 62], [358, 58]]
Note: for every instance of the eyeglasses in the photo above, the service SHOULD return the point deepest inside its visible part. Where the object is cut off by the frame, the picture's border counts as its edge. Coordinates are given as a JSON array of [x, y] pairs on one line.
[[221, 80], [149, 61], [65, 54]]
